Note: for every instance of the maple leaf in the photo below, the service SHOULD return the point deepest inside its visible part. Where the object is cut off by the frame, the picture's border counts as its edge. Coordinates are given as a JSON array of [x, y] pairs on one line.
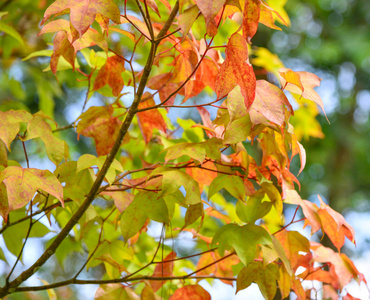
[[236, 71], [266, 16], [150, 119], [264, 277], [62, 47], [269, 102], [18, 186], [210, 9], [304, 85], [99, 124], [9, 126], [163, 269], [251, 16], [191, 292], [83, 12], [343, 266], [310, 210], [110, 74], [334, 225]]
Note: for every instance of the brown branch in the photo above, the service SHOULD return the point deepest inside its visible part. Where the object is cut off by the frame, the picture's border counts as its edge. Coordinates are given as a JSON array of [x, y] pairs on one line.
[[120, 280], [11, 286]]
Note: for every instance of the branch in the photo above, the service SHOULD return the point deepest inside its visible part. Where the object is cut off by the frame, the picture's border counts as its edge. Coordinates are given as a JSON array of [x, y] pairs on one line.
[[120, 280], [10, 287]]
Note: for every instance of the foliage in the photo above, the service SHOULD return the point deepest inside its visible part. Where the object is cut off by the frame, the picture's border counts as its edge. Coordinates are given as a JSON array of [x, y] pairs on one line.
[[226, 182]]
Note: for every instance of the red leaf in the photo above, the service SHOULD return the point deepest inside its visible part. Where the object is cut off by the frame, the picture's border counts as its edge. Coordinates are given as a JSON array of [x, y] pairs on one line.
[[251, 18], [110, 74], [236, 71], [83, 12], [191, 292], [99, 124], [163, 269], [150, 119]]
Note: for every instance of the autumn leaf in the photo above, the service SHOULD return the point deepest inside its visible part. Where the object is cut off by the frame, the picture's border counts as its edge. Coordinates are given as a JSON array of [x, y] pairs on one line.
[[56, 149], [83, 12], [269, 102], [191, 292], [110, 74], [150, 119], [209, 10], [251, 16], [266, 16], [99, 124], [343, 267], [303, 87], [334, 225], [145, 205], [310, 210], [163, 269], [21, 185], [265, 278], [236, 71], [9, 126], [293, 243]]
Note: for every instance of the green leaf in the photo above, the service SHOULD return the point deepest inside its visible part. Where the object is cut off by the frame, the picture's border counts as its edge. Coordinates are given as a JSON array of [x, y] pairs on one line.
[[264, 277], [243, 240], [233, 184], [2, 256], [173, 180], [193, 213], [145, 205], [88, 160], [56, 149], [212, 147], [11, 31], [193, 150], [39, 53], [254, 208], [238, 130]]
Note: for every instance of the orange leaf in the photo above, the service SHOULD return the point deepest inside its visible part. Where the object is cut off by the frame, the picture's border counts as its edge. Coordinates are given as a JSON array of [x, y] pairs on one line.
[[293, 243], [308, 81], [110, 74], [191, 292], [269, 102], [163, 269], [150, 119], [266, 17], [236, 71], [310, 210], [335, 226], [99, 124], [329, 292], [206, 260], [62, 47], [291, 77], [251, 17], [83, 12], [210, 9], [343, 267]]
